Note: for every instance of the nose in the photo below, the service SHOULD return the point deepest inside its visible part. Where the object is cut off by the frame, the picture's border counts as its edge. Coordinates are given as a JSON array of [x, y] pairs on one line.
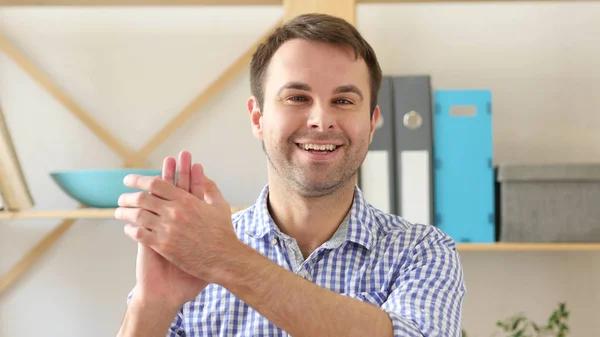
[[320, 118]]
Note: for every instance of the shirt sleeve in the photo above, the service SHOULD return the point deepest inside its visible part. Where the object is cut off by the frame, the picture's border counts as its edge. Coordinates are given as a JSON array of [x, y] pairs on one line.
[[176, 327], [427, 296]]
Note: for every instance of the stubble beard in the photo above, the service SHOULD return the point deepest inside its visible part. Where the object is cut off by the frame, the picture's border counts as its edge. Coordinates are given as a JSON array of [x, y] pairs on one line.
[[296, 178]]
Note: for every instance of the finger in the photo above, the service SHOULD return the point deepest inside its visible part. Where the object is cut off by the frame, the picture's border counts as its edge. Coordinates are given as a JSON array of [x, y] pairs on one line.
[[142, 200], [138, 216], [196, 179], [154, 185], [168, 169], [183, 174], [140, 234], [211, 192]]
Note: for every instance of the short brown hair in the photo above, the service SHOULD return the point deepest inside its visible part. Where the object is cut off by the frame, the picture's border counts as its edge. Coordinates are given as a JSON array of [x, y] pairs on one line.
[[314, 27]]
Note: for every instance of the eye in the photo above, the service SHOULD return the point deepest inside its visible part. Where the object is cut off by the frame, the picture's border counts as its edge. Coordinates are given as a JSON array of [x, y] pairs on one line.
[[297, 98], [342, 101]]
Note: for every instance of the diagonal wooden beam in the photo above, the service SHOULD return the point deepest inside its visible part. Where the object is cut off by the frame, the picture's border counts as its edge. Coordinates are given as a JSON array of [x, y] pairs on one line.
[[213, 89], [29, 260], [133, 159], [20, 59], [21, 267]]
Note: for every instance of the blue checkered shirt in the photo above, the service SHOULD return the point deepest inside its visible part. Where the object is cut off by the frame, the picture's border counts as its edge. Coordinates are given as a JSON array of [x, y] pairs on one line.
[[410, 271]]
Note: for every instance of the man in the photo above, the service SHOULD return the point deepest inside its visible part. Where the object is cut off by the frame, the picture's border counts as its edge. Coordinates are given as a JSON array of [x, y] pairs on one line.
[[310, 257]]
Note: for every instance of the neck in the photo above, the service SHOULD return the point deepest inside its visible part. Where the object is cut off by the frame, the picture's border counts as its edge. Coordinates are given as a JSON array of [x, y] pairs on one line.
[[310, 221]]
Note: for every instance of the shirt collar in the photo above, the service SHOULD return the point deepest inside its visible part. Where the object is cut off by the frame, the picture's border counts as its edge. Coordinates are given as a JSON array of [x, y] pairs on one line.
[[357, 226], [262, 221]]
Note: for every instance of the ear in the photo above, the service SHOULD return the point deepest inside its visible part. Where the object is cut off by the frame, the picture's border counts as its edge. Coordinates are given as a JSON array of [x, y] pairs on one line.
[[255, 117], [374, 122]]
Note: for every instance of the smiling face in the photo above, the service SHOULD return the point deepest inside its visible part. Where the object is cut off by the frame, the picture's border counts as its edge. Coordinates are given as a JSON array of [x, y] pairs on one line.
[[316, 123]]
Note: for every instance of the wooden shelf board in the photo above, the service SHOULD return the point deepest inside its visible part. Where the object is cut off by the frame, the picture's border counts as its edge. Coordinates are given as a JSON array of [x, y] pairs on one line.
[[527, 246], [108, 213], [90, 3], [83, 213], [457, 1]]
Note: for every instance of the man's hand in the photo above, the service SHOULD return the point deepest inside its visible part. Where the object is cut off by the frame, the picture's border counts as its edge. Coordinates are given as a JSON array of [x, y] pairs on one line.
[[157, 278], [192, 231]]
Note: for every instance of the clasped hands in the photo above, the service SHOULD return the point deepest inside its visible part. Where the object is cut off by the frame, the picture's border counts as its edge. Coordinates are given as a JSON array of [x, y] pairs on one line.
[[188, 222]]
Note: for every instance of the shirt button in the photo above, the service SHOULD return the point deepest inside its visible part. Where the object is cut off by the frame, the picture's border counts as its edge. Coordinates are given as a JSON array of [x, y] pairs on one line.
[[274, 242]]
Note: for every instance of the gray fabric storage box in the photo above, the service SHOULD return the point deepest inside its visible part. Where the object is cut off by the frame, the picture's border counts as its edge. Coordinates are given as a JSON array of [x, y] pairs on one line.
[[549, 203]]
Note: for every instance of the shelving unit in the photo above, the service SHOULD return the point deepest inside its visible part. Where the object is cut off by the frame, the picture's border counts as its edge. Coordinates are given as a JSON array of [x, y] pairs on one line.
[[343, 8], [113, 3]]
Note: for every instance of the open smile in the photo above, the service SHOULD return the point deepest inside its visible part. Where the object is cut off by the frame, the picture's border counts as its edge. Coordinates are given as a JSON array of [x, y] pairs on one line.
[[320, 151]]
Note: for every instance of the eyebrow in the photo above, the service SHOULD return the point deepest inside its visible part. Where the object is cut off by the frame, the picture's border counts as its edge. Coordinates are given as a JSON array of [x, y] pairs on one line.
[[305, 87], [294, 85], [349, 88]]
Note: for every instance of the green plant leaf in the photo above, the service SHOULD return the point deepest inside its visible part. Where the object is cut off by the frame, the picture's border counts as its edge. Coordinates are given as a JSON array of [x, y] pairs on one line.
[[553, 319], [517, 321], [503, 325]]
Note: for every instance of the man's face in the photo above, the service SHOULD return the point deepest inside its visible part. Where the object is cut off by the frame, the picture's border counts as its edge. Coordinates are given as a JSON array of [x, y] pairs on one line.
[[316, 126]]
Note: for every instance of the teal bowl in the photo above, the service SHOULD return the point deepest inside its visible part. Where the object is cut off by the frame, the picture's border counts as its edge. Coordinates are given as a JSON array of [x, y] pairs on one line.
[[99, 188]]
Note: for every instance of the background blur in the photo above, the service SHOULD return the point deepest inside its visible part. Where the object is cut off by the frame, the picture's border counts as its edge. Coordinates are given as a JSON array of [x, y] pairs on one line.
[[135, 68]]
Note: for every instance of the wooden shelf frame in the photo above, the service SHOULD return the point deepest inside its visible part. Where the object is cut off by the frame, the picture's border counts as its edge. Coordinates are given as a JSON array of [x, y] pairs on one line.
[[224, 3], [344, 8], [130, 158]]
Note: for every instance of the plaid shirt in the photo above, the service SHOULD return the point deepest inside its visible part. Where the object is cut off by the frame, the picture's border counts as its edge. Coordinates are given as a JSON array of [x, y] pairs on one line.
[[410, 271]]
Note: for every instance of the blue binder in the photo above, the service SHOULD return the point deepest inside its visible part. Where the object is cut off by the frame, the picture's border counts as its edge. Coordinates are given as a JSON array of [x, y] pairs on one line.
[[464, 195]]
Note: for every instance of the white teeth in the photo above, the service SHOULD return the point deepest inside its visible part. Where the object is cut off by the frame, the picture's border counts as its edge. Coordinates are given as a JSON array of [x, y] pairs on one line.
[[329, 147]]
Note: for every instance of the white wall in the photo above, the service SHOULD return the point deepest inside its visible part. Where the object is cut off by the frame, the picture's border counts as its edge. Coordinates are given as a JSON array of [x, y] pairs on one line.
[[138, 67]]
